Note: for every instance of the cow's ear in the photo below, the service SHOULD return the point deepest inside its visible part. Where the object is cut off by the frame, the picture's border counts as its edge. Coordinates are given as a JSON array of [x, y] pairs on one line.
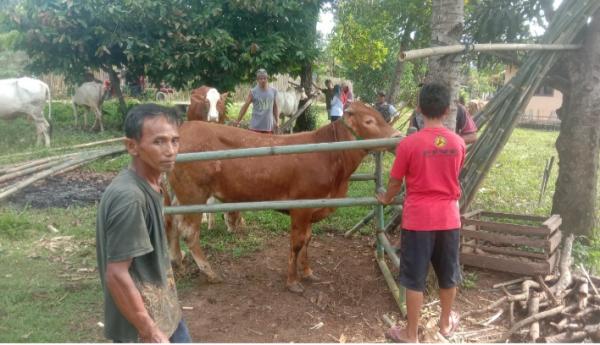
[[224, 96]]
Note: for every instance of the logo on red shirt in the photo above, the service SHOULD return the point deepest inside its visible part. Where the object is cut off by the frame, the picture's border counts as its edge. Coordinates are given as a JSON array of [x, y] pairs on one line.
[[439, 141]]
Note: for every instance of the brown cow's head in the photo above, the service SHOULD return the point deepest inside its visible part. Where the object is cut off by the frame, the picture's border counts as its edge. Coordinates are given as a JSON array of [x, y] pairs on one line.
[[367, 122]]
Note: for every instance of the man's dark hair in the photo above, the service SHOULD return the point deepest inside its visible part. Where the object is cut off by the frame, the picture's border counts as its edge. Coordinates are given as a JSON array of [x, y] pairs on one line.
[[134, 121], [434, 99], [381, 94]]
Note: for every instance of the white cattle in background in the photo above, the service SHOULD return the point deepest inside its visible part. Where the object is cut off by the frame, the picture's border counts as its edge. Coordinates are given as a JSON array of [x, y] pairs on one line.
[[27, 96], [287, 102], [90, 95]]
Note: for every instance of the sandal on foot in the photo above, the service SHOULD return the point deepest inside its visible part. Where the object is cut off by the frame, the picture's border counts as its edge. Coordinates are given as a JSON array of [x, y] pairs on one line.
[[454, 321]]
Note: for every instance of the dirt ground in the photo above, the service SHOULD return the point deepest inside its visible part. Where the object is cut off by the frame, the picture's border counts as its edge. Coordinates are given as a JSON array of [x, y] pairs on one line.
[[349, 304], [75, 188]]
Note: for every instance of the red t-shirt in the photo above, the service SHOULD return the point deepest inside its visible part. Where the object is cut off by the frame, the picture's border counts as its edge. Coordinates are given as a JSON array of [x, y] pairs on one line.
[[430, 160]]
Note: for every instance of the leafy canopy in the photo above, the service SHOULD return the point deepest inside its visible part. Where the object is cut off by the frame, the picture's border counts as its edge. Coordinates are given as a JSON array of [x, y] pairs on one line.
[[181, 42]]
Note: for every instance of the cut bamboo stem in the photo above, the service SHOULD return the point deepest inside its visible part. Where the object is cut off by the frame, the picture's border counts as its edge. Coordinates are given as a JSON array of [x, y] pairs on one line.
[[58, 169], [485, 47]]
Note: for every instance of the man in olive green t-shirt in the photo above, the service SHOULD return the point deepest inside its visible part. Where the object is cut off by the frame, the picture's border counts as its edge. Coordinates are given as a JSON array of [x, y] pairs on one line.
[[140, 297]]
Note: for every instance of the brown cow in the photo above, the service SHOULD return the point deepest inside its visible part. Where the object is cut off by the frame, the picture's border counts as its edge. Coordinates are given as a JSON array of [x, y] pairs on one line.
[[206, 104], [285, 177]]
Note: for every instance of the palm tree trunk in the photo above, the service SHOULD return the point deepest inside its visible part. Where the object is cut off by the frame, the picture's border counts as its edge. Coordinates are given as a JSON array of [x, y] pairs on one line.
[[578, 143], [447, 18]]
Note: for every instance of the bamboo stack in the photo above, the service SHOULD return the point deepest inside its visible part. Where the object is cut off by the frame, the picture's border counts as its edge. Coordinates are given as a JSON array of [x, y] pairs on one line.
[[15, 177], [501, 114]]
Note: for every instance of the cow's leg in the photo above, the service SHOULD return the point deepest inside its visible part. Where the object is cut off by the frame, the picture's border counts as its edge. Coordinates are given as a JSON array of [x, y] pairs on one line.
[[189, 229], [210, 217], [172, 222], [75, 113], [300, 227], [234, 221], [307, 272], [99, 118], [41, 127]]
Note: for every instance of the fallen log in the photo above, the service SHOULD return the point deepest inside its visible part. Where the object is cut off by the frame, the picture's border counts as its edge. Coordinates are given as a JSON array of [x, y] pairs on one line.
[[534, 318], [534, 308]]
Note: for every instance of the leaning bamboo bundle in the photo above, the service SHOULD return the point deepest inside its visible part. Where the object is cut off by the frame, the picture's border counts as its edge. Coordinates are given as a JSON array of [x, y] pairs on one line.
[[66, 165], [502, 112], [64, 148]]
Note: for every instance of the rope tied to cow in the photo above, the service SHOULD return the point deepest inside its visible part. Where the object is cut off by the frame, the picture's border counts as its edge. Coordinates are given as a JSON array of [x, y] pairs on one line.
[[356, 136]]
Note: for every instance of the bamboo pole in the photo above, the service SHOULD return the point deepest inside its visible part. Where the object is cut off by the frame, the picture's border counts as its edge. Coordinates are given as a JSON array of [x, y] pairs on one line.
[[288, 149], [23, 165], [500, 115], [481, 47], [68, 165], [27, 171], [79, 146]]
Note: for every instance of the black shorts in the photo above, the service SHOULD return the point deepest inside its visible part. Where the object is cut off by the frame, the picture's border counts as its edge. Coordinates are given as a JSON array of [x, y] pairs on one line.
[[418, 248]]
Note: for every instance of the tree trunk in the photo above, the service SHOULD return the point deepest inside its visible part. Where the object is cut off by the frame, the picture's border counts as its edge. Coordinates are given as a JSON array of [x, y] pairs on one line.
[[115, 83], [393, 91], [579, 140], [306, 121], [446, 28]]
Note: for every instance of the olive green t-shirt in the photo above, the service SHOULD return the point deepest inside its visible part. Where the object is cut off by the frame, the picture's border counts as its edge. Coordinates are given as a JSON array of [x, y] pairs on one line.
[[130, 225]]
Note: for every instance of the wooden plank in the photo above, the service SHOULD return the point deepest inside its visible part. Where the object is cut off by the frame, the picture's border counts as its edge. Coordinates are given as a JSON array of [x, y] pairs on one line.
[[471, 214], [553, 222], [508, 251], [553, 242], [509, 228], [513, 216], [506, 239], [505, 264]]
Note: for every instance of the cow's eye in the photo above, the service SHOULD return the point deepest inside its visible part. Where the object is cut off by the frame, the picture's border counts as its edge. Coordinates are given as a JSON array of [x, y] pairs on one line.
[[369, 122]]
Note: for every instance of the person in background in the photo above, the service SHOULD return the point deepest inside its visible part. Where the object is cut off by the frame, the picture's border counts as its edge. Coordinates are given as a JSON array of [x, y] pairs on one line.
[[328, 92], [337, 107], [265, 115], [140, 297], [347, 95], [384, 108], [465, 126], [429, 162]]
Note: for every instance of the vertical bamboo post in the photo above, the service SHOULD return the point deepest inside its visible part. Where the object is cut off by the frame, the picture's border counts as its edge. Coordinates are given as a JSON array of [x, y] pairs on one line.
[[397, 291]]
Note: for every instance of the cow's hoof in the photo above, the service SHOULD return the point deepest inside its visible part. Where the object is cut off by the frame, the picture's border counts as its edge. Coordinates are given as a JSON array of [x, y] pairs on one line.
[[311, 277], [215, 279], [295, 287]]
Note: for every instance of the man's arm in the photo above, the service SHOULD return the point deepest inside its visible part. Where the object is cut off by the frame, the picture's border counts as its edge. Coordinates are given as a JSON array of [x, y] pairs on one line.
[[469, 130], [469, 138], [130, 303], [244, 108], [394, 187]]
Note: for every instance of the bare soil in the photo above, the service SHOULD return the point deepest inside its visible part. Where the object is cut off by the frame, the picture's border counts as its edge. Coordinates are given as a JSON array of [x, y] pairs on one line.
[[74, 188], [252, 304], [347, 305]]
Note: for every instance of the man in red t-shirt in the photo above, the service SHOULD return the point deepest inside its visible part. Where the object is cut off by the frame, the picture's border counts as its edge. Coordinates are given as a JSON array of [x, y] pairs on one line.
[[430, 162]]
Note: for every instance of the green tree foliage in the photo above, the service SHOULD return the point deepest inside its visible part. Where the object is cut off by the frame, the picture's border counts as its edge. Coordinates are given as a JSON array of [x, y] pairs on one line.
[[367, 37], [181, 42]]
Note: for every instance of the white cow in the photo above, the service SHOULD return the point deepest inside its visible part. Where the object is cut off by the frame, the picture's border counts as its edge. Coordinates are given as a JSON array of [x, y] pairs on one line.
[[91, 95], [27, 96], [287, 101]]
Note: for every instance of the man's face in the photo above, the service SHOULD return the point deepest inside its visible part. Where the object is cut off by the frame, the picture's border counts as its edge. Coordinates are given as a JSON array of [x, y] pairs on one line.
[[329, 85], [380, 99], [262, 80], [158, 145]]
